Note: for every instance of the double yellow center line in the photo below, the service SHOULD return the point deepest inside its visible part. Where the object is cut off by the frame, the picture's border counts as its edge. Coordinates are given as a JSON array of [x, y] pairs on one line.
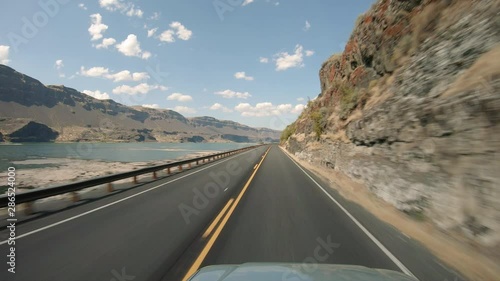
[[197, 263]]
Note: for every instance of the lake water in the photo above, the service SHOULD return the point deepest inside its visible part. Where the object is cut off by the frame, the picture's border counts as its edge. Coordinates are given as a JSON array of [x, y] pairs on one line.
[[115, 152]]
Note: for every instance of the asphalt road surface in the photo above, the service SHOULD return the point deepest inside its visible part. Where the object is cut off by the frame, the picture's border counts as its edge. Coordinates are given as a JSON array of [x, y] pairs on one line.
[[257, 206]]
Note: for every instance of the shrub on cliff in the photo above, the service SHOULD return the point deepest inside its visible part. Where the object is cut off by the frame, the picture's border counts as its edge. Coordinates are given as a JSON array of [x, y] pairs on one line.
[[287, 132]]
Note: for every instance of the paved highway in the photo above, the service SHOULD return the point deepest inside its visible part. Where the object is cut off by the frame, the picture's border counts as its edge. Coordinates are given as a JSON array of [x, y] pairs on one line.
[[257, 206]]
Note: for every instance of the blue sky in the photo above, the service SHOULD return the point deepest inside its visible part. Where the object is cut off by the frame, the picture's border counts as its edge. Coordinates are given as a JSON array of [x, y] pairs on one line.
[[254, 62]]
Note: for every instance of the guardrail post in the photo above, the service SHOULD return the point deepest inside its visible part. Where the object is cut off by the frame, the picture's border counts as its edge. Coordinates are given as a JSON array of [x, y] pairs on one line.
[[28, 208], [168, 171], [197, 162], [109, 187], [189, 165], [155, 177], [135, 180], [180, 167], [75, 197]]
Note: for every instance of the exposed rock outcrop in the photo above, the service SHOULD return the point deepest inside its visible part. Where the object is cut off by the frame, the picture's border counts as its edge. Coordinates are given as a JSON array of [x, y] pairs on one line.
[[411, 109], [24, 130]]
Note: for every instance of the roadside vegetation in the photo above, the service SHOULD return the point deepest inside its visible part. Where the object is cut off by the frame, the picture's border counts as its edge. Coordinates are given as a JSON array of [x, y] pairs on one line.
[[287, 132]]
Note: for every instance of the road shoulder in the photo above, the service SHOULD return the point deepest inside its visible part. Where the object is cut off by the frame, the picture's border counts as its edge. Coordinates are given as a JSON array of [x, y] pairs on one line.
[[455, 253]]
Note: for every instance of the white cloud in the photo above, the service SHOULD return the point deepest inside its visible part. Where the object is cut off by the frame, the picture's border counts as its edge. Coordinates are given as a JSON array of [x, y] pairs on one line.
[[128, 8], [152, 31], [307, 26], [167, 36], [300, 99], [218, 106], [285, 60], [4, 54], [298, 109], [264, 109], [246, 2], [96, 71], [142, 88], [59, 64], [82, 6], [242, 75], [263, 60], [124, 75], [130, 47], [184, 109], [134, 12], [309, 53], [146, 55], [106, 42], [182, 32], [177, 29], [229, 94], [180, 97], [155, 16], [97, 94], [112, 5], [154, 105], [97, 28]]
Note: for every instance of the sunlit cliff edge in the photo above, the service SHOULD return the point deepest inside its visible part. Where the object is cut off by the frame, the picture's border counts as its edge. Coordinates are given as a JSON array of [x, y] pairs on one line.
[[411, 110]]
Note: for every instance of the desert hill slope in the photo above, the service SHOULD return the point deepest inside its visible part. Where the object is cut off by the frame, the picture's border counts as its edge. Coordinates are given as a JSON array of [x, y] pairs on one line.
[[31, 111]]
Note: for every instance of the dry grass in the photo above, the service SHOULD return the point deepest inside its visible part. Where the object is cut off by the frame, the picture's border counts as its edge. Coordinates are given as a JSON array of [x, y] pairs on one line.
[[454, 251], [380, 92], [457, 10], [426, 21], [402, 50], [480, 76]]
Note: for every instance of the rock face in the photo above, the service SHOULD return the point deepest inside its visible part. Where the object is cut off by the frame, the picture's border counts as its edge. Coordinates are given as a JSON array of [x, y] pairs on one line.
[[33, 132], [79, 117], [25, 130], [411, 109], [235, 138], [194, 139]]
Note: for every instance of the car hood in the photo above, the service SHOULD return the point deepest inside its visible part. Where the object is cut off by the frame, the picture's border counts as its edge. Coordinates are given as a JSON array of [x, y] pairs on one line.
[[296, 272]]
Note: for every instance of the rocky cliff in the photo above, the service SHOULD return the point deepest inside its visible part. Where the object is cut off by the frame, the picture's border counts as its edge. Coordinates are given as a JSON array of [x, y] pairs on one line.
[[411, 110], [31, 111]]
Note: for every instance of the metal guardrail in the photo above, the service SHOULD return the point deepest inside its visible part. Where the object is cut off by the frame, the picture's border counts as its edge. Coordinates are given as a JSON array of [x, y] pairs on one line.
[[33, 195]]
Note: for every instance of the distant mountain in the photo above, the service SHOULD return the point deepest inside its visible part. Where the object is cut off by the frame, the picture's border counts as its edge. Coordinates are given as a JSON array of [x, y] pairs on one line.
[[31, 111]]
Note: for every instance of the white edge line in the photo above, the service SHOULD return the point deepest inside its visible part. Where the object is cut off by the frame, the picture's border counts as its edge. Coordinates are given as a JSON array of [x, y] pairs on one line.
[[375, 240], [118, 201]]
